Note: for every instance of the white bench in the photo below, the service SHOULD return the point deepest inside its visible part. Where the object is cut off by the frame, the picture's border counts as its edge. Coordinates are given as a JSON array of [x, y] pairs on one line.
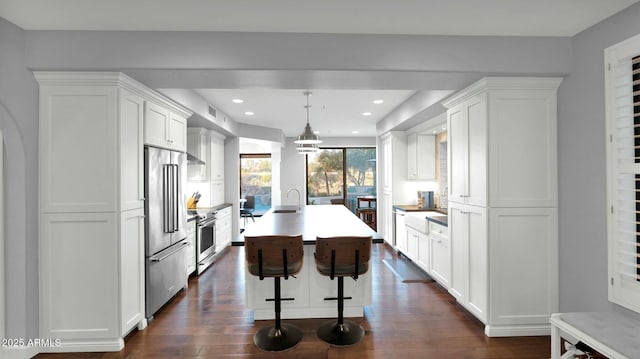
[[610, 333]]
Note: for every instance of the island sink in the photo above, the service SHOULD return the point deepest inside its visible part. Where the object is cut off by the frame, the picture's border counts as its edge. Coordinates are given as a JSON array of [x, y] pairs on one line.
[[285, 209]]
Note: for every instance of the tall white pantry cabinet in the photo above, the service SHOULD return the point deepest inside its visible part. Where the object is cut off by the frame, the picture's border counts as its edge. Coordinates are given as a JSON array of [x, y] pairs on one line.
[[92, 268], [503, 202]]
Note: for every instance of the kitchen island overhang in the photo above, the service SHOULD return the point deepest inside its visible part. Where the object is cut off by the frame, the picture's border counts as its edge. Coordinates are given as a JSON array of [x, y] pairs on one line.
[[309, 294]]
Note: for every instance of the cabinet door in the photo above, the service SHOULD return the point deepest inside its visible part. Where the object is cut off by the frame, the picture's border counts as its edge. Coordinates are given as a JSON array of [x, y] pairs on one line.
[[217, 158], [440, 259], [156, 119], [459, 241], [386, 219], [423, 252], [412, 160], [191, 247], [524, 265], [421, 158], [78, 149], [477, 151], [131, 151], [387, 167], [413, 238], [79, 276], [400, 231], [458, 153], [177, 132], [476, 301], [132, 267]]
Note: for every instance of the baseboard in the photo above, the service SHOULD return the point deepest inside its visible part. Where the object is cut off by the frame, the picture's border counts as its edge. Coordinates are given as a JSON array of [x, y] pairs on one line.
[[89, 345], [19, 352], [517, 330]]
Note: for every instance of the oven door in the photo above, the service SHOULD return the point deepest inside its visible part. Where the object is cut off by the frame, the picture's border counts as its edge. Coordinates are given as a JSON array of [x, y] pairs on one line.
[[206, 239]]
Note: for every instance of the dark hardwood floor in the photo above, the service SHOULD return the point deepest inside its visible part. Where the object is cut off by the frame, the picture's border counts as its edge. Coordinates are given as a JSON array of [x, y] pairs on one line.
[[405, 320]]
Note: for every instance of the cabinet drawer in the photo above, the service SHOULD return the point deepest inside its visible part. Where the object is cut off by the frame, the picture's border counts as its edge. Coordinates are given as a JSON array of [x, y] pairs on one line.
[[438, 229]]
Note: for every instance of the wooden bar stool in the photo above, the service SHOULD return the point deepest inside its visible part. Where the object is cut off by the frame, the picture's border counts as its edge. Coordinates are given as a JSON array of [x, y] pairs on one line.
[[367, 214], [342, 257], [276, 257]]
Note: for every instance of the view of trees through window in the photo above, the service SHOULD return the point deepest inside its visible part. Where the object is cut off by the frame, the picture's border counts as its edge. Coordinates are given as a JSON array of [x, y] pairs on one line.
[[328, 181], [255, 180]]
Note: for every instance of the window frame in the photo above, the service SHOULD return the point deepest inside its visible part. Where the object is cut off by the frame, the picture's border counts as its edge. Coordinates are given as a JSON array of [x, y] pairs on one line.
[[621, 289], [344, 168]]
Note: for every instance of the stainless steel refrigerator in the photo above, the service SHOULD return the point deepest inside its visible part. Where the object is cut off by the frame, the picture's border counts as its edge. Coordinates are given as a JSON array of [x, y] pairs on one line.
[[165, 226]]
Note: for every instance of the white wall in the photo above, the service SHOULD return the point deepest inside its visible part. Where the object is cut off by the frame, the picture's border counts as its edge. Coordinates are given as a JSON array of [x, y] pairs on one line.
[[19, 124], [582, 166]]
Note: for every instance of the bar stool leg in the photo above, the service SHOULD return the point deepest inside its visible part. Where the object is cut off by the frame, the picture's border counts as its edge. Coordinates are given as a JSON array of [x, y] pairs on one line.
[[279, 336], [341, 332]]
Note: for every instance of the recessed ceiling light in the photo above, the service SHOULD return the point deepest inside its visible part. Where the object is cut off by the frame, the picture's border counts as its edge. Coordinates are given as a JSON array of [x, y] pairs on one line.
[[379, 101], [355, 132], [237, 100], [249, 113], [367, 114]]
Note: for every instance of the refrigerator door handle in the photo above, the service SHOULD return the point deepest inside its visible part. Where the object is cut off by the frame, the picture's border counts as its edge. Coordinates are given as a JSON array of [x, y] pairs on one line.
[[172, 224], [165, 195], [176, 203]]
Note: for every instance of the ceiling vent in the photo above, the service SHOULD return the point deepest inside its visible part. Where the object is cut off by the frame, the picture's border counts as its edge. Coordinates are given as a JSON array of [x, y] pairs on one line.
[[213, 112]]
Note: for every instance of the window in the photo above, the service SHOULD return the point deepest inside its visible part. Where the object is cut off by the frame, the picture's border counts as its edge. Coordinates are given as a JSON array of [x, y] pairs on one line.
[[255, 180], [328, 181], [622, 82]]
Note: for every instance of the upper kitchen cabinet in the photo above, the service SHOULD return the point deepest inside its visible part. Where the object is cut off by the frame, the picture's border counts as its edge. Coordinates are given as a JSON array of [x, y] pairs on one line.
[[467, 124], [216, 168], [421, 160], [517, 167], [164, 128]]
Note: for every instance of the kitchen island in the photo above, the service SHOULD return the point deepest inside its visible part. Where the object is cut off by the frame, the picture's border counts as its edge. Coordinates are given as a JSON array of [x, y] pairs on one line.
[[309, 289]]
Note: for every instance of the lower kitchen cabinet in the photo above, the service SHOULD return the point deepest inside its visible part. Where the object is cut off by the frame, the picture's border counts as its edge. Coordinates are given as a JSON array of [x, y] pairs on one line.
[[80, 292], [440, 257], [469, 272], [132, 270], [223, 228], [400, 232], [190, 257]]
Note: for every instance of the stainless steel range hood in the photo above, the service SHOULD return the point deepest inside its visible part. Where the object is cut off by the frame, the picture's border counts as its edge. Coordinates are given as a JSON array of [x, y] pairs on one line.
[[193, 160]]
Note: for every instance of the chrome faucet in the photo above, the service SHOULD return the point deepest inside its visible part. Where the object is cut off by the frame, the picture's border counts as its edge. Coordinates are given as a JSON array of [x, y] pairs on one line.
[[298, 192]]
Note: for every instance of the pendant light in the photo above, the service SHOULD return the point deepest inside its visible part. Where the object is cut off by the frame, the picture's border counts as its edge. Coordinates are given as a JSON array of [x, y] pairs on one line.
[[308, 141]]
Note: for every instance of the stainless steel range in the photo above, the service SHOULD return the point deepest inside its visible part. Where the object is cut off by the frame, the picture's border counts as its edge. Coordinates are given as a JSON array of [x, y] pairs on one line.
[[205, 240]]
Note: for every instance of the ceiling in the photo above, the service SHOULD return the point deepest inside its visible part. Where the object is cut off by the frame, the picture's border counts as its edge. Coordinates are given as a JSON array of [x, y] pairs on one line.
[[335, 111]]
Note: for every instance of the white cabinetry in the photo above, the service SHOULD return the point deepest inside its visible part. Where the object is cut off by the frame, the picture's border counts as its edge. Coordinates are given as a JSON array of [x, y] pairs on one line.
[[421, 158], [467, 124], [503, 202], [468, 234], [223, 228], [164, 127], [400, 232], [216, 168], [439, 262], [392, 174], [91, 220], [190, 257]]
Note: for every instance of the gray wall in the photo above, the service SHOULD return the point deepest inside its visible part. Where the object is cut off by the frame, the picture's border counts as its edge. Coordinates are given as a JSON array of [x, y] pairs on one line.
[[19, 123], [582, 165]]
